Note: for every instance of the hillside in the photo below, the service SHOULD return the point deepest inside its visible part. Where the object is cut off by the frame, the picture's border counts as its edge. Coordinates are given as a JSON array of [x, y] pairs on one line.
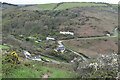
[[6, 6], [67, 5], [36, 30]]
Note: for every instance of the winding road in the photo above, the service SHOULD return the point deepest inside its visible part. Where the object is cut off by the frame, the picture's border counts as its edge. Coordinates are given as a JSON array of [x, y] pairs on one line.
[[38, 58], [116, 33], [85, 59], [60, 43]]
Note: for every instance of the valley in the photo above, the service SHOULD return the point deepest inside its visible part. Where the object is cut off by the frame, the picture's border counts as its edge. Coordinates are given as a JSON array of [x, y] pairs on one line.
[[71, 36]]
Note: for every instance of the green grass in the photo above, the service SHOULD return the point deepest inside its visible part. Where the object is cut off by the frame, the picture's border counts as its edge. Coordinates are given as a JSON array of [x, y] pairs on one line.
[[37, 72], [30, 37], [66, 5], [114, 5], [24, 72], [98, 38], [77, 4], [4, 47], [46, 6], [60, 74], [39, 43], [45, 58]]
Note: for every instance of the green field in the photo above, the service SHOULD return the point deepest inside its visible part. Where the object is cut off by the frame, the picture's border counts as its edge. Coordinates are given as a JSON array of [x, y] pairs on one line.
[[46, 6], [114, 5], [45, 58], [67, 5], [77, 4], [30, 37], [38, 71], [4, 47]]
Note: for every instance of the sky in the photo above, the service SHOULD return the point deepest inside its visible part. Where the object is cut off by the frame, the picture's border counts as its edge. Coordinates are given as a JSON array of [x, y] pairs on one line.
[[55, 1]]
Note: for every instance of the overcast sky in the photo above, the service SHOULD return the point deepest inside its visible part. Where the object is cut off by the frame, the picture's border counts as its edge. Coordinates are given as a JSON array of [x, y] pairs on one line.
[[55, 1]]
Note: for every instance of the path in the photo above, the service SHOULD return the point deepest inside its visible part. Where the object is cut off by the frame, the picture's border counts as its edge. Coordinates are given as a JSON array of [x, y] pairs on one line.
[[85, 59]]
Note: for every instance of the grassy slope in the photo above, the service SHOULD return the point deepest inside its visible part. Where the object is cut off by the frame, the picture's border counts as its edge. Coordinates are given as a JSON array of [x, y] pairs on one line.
[[4, 47], [66, 5], [37, 72], [45, 58], [68, 45], [46, 6], [77, 4], [114, 5]]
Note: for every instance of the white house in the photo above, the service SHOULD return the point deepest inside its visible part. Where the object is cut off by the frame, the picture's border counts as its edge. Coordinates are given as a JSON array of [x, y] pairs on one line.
[[48, 38], [71, 33], [38, 41], [60, 49], [27, 54], [108, 35], [37, 58]]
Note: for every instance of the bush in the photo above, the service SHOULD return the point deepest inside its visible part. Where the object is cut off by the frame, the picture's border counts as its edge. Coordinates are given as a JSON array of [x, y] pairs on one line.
[[82, 23], [105, 66], [9, 62]]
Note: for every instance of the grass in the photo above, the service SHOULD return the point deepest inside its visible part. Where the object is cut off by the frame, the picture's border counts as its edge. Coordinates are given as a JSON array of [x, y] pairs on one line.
[[89, 44], [30, 37], [38, 44], [60, 74], [114, 5], [46, 6], [66, 5], [67, 46], [105, 37], [37, 72], [97, 38], [4, 47], [76, 4], [46, 58]]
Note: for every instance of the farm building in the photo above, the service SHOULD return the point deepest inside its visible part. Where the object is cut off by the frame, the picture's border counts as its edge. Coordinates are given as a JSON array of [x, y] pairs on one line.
[[38, 41], [71, 33], [48, 38], [108, 35], [60, 49]]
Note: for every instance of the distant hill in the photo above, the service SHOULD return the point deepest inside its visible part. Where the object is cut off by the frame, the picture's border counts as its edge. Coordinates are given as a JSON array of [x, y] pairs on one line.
[[66, 5], [41, 21], [7, 6], [4, 3], [56, 6], [26, 28]]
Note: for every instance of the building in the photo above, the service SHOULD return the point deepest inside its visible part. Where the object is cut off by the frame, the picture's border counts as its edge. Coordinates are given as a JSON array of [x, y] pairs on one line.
[[60, 49], [71, 33], [108, 35], [48, 38], [39, 40], [27, 54], [37, 58]]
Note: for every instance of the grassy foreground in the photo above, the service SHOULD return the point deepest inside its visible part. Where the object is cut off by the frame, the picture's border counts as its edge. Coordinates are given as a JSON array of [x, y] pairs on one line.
[[36, 70]]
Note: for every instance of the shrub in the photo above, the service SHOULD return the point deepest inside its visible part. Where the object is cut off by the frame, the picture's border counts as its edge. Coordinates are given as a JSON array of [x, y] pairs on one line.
[[82, 23], [9, 61]]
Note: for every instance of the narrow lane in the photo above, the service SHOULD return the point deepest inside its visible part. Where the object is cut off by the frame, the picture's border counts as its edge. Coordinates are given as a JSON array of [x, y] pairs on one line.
[[85, 59], [36, 58]]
